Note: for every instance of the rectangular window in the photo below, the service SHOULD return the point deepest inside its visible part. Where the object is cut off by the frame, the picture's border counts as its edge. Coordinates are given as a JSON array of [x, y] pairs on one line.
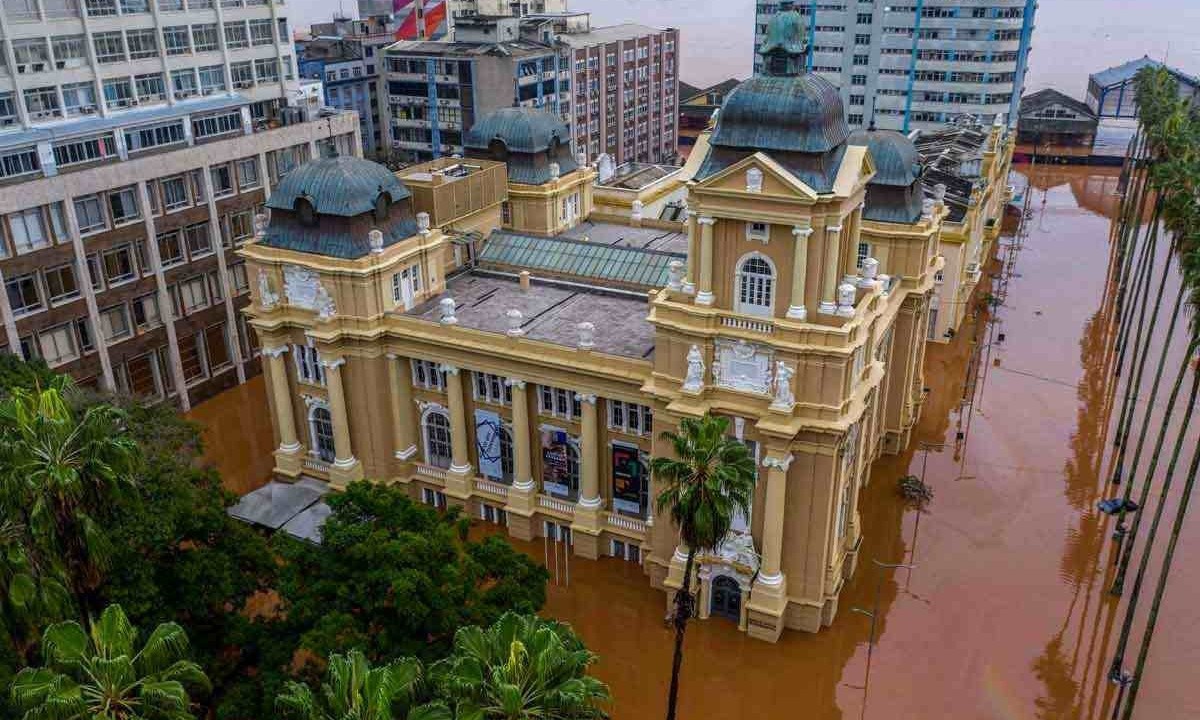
[[142, 43], [118, 93], [28, 230], [19, 162], [216, 347], [194, 294], [260, 32], [428, 374], [492, 389], [153, 136], [57, 344], [170, 250], [123, 205], [145, 312], [629, 417], [69, 51], [266, 70], [308, 365], [23, 296], [85, 150], [236, 35], [559, 402], [238, 282], [89, 213], [32, 54], [242, 73], [184, 83], [247, 173], [241, 226], [199, 242], [114, 322], [222, 180], [110, 46], [8, 110], [94, 273], [118, 265], [864, 252], [150, 88], [79, 98], [60, 283], [858, 79], [204, 37], [134, 7], [83, 326], [217, 124], [42, 103], [176, 40], [212, 79]]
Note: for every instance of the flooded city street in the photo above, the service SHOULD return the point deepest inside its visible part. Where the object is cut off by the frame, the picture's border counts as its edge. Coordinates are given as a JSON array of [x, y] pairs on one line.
[[1006, 613]]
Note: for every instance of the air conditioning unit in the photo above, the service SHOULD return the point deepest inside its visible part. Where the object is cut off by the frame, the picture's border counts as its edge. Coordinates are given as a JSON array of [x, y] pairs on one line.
[[21, 69], [60, 64], [38, 67]]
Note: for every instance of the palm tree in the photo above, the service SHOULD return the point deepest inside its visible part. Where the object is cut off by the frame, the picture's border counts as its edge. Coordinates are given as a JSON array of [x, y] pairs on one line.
[[522, 667], [60, 469], [353, 690], [30, 593], [708, 482], [100, 673]]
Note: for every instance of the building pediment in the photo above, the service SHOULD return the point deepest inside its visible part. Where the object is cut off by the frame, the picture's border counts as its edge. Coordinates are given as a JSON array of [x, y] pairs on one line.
[[759, 175]]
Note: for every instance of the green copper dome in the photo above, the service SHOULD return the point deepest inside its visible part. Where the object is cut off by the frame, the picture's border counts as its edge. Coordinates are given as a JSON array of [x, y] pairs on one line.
[[345, 186], [785, 34]]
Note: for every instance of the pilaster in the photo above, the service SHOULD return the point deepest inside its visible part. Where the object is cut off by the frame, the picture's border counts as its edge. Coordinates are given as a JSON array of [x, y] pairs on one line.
[[288, 456], [521, 496], [460, 474], [586, 527]]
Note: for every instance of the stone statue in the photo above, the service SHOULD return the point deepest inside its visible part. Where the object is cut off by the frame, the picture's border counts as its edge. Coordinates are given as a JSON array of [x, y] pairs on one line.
[[267, 297], [784, 397], [323, 304], [423, 223], [675, 274], [846, 295], [605, 167], [555, 171], [515, 320], [694, 382], [447, 307], [870, 270], [587, 335]]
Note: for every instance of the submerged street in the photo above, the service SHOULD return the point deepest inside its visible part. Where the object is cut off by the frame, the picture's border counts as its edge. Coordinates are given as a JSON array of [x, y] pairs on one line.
[[1006, 613]]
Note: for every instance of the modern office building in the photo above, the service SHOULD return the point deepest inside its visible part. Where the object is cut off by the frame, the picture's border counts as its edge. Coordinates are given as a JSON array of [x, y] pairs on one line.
[[530, 381], [137, 142], [615, 87], [349, 80], [915, 64]]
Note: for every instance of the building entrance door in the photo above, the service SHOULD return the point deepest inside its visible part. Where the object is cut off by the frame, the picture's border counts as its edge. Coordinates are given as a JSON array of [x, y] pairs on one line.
[[726, 598]]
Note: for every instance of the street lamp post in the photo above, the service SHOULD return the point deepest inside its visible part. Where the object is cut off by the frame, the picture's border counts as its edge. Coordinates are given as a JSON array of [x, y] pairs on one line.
[[873, 613]]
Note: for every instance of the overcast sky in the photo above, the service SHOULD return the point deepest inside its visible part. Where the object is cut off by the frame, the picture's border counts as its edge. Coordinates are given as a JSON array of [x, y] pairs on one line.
[[1073, 38]]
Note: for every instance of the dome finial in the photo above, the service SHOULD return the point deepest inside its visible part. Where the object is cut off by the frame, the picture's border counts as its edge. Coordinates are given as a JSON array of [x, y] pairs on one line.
[[784, 47]]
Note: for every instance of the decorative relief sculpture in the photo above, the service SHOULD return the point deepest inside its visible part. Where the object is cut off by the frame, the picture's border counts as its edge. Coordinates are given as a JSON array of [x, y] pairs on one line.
[[754, 180], [743, 366], [694, 382], [323, 304], [303, 289], [785, 399], [267, 297]]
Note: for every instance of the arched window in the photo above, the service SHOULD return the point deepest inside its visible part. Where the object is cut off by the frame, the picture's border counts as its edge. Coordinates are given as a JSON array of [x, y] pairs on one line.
[[320, 425], [437, 439], [506, 455], [755, 285]]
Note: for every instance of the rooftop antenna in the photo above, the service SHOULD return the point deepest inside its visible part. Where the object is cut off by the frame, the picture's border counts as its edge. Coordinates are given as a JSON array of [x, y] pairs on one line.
[[871, 125]]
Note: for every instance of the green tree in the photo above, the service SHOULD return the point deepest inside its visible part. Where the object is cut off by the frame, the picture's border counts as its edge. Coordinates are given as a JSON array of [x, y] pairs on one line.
[[101, 673], [703, 487], [61, 470], [520, 668], [353, 690], [397, 578]]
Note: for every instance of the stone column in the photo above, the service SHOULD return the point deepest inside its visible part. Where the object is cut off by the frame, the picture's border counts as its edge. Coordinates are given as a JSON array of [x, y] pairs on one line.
[[287, 456], [521, 496], [403, 429], [586, 528], [459, 476], [768, 598], [346, 468], [705, 294], [829, 286], [797, 310], [689, 283]]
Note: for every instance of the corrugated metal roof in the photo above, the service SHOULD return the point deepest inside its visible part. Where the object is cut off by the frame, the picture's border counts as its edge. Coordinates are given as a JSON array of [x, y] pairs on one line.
[[344, 186], [796, 114], [1125, 71], [584, 260]]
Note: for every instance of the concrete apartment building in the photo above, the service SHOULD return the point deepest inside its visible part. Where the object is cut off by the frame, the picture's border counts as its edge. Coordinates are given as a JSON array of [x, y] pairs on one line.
[[917, 64], [137, 141], [347, 68], [615, 87]]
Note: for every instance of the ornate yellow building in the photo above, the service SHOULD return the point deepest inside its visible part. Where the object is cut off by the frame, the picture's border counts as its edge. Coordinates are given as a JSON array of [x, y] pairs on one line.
[[519, 356]]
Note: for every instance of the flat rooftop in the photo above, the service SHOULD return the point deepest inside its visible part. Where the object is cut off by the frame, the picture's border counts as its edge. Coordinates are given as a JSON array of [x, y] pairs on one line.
[[636, 175], [552, 312], [617, 235]]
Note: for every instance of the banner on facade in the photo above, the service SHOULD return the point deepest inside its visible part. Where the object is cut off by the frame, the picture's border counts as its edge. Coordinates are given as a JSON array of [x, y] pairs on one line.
[[556, 464], [630, 484], [487, 444]]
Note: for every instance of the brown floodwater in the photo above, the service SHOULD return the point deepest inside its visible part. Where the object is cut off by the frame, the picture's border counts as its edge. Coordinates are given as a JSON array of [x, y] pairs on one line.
[[1006, 614]]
